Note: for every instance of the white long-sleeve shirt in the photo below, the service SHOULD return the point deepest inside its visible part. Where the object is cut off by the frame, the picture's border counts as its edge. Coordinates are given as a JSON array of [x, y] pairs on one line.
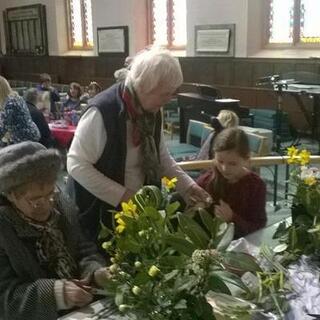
[[87, 147]]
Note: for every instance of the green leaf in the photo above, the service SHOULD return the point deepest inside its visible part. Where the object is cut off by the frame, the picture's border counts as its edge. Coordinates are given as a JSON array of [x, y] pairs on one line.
[[182, 304], [141, 278], [216, 284], [209, 222], [152, 213], [181, 245], [228, 277], [170, 275], [193, 231], [171, 208], [226, 238], [104, 232], [239, 260]]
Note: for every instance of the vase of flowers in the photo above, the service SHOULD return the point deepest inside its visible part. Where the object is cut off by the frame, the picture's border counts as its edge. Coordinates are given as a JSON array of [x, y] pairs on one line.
[[303, 235]]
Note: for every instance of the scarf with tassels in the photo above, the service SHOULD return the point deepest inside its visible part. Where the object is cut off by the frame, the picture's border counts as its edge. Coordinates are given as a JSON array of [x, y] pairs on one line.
[[144, 124]]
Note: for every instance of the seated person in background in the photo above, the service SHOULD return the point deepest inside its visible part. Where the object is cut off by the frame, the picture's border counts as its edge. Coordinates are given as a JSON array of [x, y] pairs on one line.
[[93, 89], [43, 255], [45, 85], [73, 101], [121, 74], [16, 124], [32, 98], [239, 195], [225, 119]]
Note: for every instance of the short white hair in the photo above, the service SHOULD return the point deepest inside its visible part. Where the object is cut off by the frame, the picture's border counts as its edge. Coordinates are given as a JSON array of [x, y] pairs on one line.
[[153, 68]]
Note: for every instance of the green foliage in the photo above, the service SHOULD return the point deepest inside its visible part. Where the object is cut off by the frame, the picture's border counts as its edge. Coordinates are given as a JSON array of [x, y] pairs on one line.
[[165, 262]]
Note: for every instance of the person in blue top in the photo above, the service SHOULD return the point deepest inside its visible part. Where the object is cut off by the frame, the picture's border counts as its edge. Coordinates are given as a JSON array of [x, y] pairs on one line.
[[73, 101], [16, 124]]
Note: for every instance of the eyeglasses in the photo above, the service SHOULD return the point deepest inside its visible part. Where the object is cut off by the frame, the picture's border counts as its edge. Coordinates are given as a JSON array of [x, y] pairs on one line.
[[40, 201]]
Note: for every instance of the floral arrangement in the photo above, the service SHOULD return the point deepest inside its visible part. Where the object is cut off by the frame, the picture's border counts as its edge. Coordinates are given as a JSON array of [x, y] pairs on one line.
[[303, 235], [172, 265]]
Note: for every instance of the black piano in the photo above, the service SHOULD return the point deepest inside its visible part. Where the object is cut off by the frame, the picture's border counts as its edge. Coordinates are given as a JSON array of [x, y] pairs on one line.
[[192, 104]]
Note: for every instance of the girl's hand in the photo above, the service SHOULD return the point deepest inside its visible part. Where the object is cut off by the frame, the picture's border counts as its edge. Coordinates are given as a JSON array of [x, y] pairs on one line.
[[223, 211]]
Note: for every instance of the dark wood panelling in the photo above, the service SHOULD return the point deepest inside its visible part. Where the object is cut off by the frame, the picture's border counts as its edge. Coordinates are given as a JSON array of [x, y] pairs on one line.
[[236, 77]]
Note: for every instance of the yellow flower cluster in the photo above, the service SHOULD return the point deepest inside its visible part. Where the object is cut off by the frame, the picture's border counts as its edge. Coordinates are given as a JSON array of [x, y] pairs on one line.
[[169, 183], [310, 181], [296, 157], [128, 210]]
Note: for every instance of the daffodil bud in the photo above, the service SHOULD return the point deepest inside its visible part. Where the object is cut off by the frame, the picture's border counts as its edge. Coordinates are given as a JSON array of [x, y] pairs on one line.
[[141, 233], [113, 260], [123, 307], [138, 264], [136, 290], [106, 245], [153, 271]]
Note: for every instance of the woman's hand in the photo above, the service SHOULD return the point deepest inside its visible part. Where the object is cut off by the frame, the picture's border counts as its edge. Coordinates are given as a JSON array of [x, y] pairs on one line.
[[76, 296], [101, 276], [197, 195], [223, 211]]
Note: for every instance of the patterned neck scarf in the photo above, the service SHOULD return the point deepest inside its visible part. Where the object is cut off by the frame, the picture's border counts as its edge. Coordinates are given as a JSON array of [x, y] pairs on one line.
[[144, 124], [51, 247]]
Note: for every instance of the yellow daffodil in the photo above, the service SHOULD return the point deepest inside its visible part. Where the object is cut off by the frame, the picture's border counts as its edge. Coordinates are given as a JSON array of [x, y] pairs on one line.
[[153, 271], [304, 157], [310, 181], [292, 151], [129, 209], [121, 225], [169, 183]]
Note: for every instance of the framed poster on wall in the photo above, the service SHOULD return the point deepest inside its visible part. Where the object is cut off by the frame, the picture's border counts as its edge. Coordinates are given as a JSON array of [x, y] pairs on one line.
[[26, 30], [215, 40], [113, 41]]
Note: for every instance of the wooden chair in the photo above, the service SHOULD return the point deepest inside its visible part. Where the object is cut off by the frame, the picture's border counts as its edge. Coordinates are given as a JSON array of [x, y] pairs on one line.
[[258, 144]]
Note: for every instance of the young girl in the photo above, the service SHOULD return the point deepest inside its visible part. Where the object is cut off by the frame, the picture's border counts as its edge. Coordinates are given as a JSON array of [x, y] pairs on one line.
[[239, 195], [225, 119], [73, 101]]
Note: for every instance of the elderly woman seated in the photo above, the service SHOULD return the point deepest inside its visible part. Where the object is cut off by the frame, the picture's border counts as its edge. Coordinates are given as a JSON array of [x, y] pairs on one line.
[[46, 266]]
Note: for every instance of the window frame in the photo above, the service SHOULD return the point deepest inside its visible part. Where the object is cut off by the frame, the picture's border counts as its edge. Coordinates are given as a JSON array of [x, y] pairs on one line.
[[85, 45], [170, 23], [296, 43]]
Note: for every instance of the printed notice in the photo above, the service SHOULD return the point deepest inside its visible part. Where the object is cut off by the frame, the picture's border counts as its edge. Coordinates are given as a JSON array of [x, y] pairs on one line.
[[210, 40]]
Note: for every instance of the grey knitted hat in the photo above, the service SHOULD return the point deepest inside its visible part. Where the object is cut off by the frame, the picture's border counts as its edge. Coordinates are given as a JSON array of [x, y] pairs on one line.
[[26, 162]]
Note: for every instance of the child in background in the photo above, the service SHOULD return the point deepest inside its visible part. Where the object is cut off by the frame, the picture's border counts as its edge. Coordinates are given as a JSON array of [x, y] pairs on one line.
[[93, 89], [239, 195], [73, 101], [225, 119]]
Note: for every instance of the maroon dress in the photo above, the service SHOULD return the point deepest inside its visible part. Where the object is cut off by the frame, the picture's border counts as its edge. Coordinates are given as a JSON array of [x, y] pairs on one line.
[[246, 198]]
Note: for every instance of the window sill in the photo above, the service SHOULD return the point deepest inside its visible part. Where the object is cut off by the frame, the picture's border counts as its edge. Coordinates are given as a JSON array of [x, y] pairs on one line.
[[80, 53], [179, 53], [288, 53]]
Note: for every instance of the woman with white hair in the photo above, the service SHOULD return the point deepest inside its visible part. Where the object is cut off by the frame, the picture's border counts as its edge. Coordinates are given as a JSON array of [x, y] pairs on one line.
[[119, 145], [16, 124]]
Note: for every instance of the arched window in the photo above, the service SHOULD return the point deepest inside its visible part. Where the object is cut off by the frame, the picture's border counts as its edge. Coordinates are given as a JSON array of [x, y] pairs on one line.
[[80, 24], [167, 23], [294, 22]]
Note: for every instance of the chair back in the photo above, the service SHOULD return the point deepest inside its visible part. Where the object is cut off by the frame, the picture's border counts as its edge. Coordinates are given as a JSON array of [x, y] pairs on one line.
[[194, 133], [205, 133], [258, 144]]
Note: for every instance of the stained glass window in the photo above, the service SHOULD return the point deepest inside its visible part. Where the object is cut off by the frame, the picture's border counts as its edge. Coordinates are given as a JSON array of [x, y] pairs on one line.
[[294, 21], [80, 24], [168, 23], [310, 21]]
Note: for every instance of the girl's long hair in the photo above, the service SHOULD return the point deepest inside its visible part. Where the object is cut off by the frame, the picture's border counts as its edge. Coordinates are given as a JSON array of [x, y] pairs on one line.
[[231, 139]]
